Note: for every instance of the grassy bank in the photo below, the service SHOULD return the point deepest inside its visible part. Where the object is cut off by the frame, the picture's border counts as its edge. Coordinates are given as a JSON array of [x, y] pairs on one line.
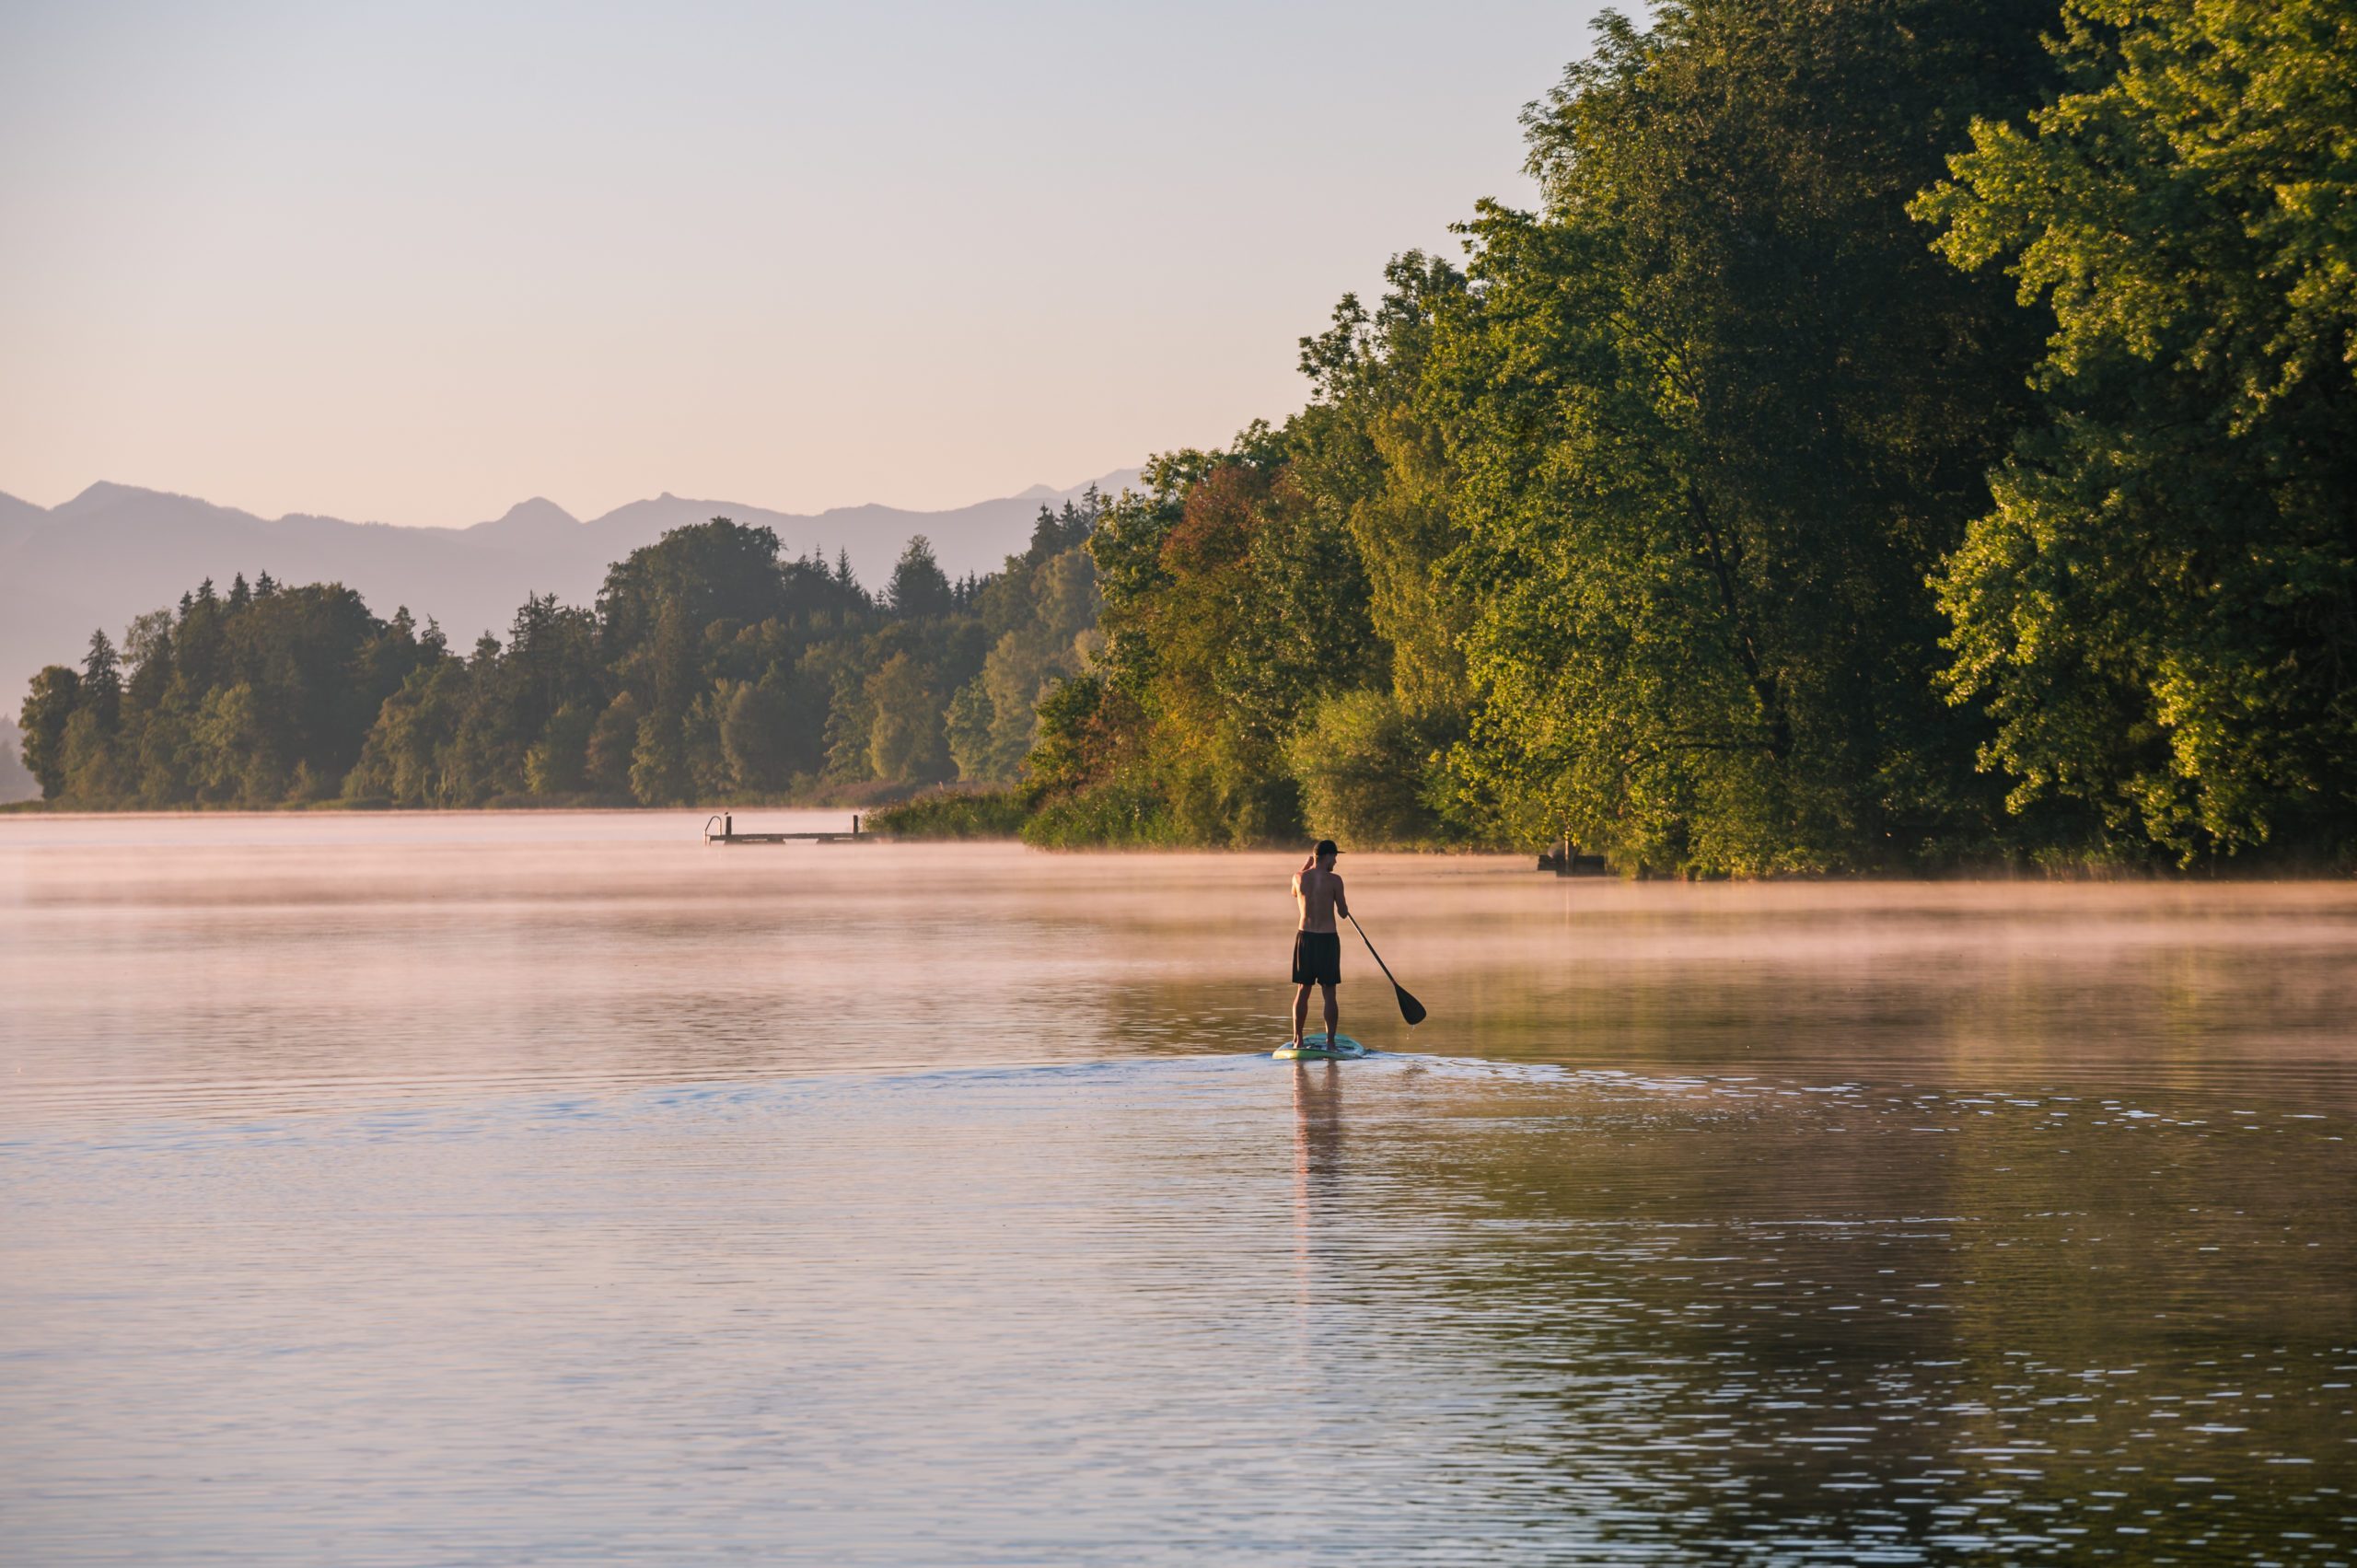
[[953, 814]]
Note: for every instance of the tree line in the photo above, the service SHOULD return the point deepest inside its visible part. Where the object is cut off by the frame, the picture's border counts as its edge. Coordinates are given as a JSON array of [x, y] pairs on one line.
[[1904, 434], [711, 666], [1907, 432]]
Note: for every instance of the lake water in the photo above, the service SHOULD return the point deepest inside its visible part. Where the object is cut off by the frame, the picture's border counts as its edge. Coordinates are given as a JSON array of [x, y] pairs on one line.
[[555, 1189]]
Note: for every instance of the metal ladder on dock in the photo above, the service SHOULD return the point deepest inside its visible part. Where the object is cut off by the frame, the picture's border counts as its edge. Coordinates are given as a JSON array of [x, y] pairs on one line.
[[729, 835]]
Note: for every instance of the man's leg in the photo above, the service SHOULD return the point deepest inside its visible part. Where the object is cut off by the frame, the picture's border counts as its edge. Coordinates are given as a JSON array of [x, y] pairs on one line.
[[1300, 1012], [1333, 1014]]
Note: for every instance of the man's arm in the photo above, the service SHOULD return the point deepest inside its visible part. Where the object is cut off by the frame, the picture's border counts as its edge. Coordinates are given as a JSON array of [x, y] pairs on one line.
[[1341, 902]]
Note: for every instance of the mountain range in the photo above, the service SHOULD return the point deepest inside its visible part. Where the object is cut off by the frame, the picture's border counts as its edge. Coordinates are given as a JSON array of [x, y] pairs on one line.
[[115, 552]]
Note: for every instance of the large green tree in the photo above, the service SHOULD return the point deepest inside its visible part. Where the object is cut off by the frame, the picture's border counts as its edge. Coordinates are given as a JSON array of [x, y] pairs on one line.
[[1713, 416], [2161, 608]]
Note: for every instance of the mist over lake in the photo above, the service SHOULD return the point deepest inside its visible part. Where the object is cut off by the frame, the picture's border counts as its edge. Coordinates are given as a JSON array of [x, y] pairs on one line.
[[501, 1187]]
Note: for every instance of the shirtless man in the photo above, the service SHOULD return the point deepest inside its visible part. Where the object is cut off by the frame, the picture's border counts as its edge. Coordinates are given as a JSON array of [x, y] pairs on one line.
[[1318, 946]]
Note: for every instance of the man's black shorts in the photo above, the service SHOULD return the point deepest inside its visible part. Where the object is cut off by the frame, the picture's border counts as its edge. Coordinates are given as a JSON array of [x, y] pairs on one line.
[[1318, 958]]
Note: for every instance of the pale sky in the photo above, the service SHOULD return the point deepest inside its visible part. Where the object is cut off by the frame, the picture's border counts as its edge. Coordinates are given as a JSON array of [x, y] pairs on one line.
[[414, 262]]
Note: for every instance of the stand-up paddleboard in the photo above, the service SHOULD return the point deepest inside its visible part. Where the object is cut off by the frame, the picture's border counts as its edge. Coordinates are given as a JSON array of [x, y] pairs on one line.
[[1316, 1048]]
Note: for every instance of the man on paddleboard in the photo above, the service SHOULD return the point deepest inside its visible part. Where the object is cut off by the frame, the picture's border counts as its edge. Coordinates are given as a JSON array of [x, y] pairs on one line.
[[1318, 944]]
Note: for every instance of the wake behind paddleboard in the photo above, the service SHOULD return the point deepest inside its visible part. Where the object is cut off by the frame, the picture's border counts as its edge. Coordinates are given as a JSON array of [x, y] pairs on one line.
[[1314, 1048]]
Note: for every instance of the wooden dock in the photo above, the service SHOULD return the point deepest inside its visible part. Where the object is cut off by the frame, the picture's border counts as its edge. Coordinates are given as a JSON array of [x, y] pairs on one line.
[[729, 835]]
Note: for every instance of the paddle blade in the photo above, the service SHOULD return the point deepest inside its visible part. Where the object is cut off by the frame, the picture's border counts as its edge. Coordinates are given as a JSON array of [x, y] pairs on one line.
[[1410, 1009]]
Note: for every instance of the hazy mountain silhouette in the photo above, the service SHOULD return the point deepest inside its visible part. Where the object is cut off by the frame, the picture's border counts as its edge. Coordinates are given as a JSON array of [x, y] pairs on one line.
[[115, 552]]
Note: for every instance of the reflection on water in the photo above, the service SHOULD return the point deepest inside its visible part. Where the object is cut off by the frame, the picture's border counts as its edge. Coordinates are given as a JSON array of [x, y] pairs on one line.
[[489, 1189]]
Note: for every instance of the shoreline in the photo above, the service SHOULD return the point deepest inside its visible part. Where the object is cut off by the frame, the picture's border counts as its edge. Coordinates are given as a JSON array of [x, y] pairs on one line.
[[2015, 871]]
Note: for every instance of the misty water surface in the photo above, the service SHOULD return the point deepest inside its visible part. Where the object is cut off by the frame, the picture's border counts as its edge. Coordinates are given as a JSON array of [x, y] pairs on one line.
[[501, 1188]]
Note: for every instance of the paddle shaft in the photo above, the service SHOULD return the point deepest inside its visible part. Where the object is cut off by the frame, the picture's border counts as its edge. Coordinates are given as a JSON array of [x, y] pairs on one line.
[[1410, 1009], [1370, 949]]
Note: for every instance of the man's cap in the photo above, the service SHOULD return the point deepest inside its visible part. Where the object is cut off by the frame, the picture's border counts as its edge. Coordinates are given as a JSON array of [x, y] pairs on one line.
[[1328, 846]]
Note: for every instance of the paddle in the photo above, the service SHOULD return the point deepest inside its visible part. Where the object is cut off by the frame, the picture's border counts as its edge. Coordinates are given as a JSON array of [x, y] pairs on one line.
[[1410, 1009]]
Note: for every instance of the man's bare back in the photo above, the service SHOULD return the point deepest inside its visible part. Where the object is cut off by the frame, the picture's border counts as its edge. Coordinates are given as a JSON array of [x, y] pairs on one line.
[[1319, 891]]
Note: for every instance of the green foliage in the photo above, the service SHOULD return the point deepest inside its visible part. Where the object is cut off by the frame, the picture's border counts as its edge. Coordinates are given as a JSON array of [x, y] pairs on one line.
[[954, 814], [711, 669], [1121, 812], [1230, 604], [1364, 777], [1367, 451], [904, 744], [2160, 609], [611, 740], [264, 698], [49, 707], [558, 763], [919, 588], [658, 763], [967, 730], [758, 731], [1040, 615], [1715, 416]]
